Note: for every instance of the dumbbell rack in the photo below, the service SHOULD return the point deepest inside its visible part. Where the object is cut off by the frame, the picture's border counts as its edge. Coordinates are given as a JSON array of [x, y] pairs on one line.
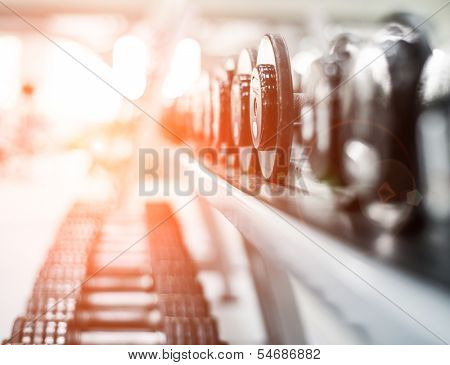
[[120, 278], [360, 281]]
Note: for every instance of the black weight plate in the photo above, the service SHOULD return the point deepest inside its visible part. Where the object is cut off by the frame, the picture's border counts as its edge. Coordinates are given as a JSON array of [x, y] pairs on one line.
[[274, 163]]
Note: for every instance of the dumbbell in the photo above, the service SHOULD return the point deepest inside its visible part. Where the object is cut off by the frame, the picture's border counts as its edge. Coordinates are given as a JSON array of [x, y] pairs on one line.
[[139, 277], [120, 244], [200, 108], [178, 119], [76, 244], [112, 266], [83, 208], [141, 258], [182, 305], [50, 298], [272, 107], [174, 330], [83, 234], [65, 257], [62, 272], [114, 319], [115, 310], [323, 128], [167, 252], [205, 115], [434, 136], [51, 308], [118, 302], [240, 111], [221, 136], [191, 331], [130, 282], [380, 157], [118, 263], [52, 305], [101, 316], [123, 337], [170, 115], [121, 304], [57, 287], [27, 331], [176, 284], [197, 111], [77, 229], [159, 213], [188, 120], [183, 118], [163, 235], [170, 304]]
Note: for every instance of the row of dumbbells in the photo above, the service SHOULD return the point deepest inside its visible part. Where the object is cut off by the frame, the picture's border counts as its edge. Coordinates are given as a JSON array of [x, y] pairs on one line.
[[355, 122], [107, 280]]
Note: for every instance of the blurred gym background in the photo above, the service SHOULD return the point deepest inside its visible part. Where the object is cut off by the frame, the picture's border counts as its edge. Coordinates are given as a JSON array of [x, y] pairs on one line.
[[65, 130]]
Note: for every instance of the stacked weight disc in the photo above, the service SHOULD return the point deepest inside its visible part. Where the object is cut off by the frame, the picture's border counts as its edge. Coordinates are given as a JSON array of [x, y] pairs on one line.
[[107, 280]]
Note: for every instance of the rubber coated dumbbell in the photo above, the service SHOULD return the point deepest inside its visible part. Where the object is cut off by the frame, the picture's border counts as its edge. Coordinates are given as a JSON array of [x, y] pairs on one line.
[[434, 136], [191, 331], [240, 111], [380, 156], [206, 122], [201, 109], [173, 331], [115, 315], [323, 128], [222, 138], [272, 107], [28, 331]]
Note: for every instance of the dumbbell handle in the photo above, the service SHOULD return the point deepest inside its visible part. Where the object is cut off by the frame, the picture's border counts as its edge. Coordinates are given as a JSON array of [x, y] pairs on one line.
[[120, 299], [132, 319], [118, 338], [141, 282], [299, 103]]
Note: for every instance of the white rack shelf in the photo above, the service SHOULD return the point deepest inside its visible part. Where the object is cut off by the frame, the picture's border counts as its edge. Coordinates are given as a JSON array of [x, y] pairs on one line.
[[389, 304]]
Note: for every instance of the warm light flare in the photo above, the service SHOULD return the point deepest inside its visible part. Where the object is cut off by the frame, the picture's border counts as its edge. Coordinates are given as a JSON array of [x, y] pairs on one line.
[[11, 51], [76, 93], [130, 63], [184, 69]]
